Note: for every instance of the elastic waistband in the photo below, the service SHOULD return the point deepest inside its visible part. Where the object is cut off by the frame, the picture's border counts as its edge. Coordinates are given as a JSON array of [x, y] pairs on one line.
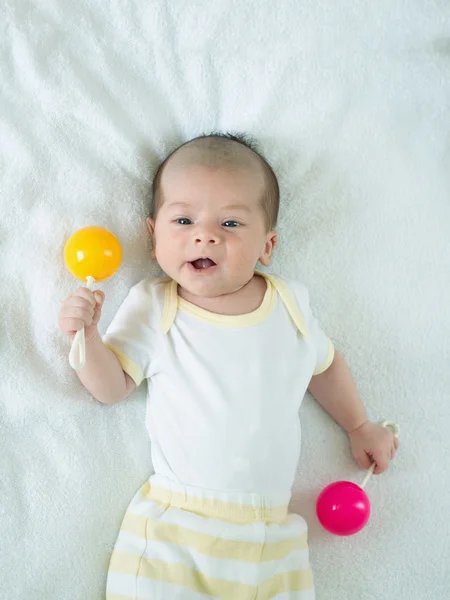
[[236, 507]]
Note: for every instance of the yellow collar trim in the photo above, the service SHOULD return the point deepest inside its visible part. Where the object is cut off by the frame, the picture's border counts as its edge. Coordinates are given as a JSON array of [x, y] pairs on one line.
[[173, 303], [233, 321]]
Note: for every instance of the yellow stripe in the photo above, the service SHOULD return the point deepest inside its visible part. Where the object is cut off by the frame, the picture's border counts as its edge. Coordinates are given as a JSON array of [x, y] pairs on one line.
[[119, 597], [213, 508], [327, 362], [289, 301], [223, 589], [170, 304], [128, 365], [210, 545], [145, 489], [233, 321], [289, 581]]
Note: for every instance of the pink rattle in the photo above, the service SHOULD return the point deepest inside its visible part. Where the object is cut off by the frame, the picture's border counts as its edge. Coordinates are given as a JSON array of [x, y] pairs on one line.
[[343, 507]]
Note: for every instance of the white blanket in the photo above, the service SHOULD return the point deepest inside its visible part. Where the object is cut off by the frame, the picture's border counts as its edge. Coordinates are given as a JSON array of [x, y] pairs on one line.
[[350, 101]]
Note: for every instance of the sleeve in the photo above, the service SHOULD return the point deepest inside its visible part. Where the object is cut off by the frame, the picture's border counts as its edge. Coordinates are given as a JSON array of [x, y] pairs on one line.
[[132, 335], [322, 344]]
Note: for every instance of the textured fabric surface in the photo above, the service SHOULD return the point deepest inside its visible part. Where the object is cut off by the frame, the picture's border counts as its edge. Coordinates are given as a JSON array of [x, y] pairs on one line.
[[350, 101]]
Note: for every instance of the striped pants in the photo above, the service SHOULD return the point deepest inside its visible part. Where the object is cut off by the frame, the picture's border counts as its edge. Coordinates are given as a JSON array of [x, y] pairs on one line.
[[186, 543]]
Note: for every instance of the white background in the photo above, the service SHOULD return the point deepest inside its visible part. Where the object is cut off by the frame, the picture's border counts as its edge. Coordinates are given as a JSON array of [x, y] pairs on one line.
[[351, 102]]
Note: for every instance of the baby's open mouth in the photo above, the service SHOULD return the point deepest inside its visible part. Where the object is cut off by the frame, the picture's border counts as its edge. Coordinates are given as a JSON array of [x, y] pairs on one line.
[[203, 263]]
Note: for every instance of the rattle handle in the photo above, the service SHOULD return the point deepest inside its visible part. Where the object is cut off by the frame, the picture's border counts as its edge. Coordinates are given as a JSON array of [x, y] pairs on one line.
[[77, 355], [395, 430]]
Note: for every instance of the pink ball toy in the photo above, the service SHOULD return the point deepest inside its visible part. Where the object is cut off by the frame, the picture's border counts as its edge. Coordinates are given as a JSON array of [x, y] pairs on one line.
[[343, 507]]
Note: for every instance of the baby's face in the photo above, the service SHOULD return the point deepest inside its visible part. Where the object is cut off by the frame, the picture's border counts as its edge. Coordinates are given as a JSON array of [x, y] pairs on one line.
[[210, 230]]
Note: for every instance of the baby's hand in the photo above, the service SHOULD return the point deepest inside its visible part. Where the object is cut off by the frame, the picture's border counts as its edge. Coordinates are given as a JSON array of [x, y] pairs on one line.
[[81, 309], [373, 443]]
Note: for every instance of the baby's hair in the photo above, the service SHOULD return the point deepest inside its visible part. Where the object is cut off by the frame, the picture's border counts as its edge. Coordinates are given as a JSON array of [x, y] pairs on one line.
[[220, 144]]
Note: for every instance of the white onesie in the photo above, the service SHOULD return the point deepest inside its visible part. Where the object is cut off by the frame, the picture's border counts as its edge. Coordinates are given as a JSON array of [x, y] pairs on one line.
[[223, 391]]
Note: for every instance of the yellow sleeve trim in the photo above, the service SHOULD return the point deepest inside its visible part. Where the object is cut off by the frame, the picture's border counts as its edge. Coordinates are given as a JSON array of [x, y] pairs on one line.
[[327, 362], [128, 365]]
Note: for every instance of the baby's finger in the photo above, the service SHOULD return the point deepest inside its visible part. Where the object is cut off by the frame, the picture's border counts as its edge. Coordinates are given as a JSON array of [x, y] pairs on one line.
[[70, 326], [83, 292], [97, 314], [76, 307], [396, 443], [99, 296], [76, 312], [382, 464], [78, 302], [363, 460]]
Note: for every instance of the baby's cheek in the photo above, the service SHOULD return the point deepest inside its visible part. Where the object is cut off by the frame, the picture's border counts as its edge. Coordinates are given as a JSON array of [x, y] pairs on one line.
[[168, 244]]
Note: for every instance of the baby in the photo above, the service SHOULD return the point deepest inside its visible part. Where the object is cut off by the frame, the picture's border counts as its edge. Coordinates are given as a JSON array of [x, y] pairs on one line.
[[228, 353]]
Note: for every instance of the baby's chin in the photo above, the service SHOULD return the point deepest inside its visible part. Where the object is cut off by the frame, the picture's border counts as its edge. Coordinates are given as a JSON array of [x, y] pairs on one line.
[[210, 286]]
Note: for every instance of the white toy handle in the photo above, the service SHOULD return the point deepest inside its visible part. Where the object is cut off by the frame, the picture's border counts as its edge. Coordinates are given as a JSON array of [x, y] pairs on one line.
[[395, 430], [77, 355]]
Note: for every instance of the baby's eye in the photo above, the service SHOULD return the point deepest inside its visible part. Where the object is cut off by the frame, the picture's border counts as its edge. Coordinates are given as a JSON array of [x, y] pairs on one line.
[[230, 224], [184, 221]]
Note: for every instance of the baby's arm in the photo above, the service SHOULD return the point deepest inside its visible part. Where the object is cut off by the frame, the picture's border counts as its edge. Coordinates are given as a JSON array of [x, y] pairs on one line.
[[102, 375], [336, 392]]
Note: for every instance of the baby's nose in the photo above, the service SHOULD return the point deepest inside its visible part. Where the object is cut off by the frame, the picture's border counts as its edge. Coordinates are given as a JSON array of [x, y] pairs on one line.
[[207, 237]]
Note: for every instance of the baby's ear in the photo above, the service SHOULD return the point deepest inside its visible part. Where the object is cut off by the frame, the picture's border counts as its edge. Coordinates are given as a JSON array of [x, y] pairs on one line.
[[271, 242], [150, 225], [151, 229]]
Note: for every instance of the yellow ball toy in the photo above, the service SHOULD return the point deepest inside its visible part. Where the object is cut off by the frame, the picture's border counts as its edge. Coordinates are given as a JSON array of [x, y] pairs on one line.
[[92, 252]]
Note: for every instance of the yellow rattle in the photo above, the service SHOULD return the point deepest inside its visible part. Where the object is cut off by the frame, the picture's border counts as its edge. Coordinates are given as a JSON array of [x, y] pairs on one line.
[[91, 254]]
